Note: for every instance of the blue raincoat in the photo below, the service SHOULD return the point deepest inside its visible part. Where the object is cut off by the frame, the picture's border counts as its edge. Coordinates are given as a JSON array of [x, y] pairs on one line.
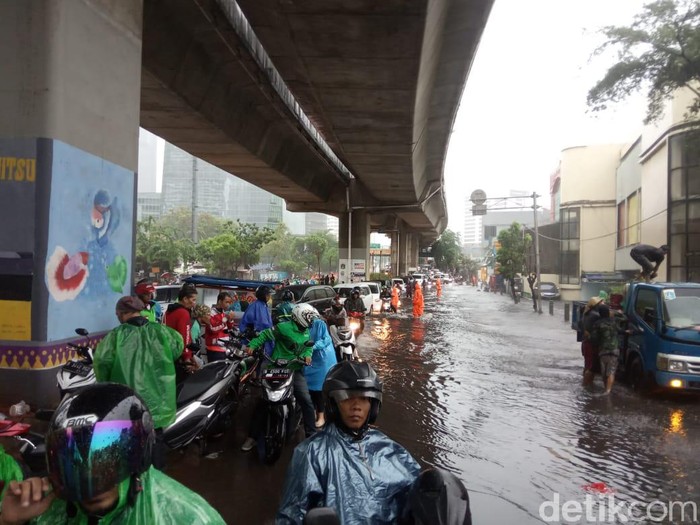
[[323, 357], [258, 316], [365, 481]]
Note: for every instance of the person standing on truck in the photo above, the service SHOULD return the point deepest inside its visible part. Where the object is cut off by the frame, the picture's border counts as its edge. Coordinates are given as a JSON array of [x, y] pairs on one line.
[[588, 317], [649, 258]]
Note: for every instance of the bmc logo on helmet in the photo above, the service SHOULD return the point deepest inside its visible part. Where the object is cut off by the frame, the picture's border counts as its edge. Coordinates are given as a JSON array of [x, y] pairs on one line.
[[80, 421]]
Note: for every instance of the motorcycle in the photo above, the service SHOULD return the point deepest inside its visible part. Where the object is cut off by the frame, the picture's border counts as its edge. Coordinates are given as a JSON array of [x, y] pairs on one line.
[[344, 341], [386, 305], [357, 322], [78, 372], [32, 448], [245, 364], [282, 414], [205, 399]]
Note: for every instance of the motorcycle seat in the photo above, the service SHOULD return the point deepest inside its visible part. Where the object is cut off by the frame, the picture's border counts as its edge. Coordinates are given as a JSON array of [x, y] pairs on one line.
[[196, 384]]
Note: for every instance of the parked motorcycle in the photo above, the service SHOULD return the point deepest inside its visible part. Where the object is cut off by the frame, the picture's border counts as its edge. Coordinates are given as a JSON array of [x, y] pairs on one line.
[[344, 341], [32, 444], [282, 414], [78, 372], [245, 365]]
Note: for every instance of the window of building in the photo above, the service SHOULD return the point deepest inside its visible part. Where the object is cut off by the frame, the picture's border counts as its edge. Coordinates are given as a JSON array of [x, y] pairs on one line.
[[684, 218], [570, 247], [629, 220]]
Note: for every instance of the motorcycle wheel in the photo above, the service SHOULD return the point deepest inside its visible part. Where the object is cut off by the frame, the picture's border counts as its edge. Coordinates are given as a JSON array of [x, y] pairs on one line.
[[271, 443]]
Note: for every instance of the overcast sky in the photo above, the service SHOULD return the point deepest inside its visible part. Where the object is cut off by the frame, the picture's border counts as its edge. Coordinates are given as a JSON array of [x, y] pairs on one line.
[[525, 98]]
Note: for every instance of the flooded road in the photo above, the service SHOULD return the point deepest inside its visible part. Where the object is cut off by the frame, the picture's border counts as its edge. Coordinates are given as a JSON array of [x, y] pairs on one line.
[[491, 391]]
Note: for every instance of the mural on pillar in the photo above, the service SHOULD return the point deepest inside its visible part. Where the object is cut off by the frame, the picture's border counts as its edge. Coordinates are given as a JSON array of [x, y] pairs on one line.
[[89, 243]]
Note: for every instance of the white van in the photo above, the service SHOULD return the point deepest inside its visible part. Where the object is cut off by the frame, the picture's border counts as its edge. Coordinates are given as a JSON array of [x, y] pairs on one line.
[[419, 277], [344, 291], [376, 291]]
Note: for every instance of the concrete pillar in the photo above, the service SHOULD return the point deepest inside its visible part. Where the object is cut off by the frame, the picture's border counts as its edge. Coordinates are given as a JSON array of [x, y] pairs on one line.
[[403, 252], [359, 263], [413, 250], [70, 101], [394, 253]]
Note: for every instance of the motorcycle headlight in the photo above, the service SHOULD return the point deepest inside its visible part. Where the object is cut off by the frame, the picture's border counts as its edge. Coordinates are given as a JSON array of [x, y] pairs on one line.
[[677, 366], [354, 325], [275, 395]]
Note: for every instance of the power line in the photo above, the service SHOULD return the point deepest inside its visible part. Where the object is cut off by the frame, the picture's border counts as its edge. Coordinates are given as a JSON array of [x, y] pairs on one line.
[[599, 236]]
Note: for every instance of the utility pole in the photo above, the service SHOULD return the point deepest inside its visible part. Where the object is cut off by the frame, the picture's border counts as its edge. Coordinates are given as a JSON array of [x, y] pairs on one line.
[[537, 252], [194, 199]]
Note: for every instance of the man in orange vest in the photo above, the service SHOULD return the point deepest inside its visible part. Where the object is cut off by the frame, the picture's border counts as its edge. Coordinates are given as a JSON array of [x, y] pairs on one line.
[[438, 287], [417, 300], [395, 298]]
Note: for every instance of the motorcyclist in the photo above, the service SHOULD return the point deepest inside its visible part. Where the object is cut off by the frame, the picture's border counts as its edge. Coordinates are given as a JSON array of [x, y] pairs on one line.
[[289, 340], [153, 311], [385, 294], [142, 355], [349, 466], [98, 452], [355, 307], [335, 315], [257, 316], [283, 311], [220, 321]]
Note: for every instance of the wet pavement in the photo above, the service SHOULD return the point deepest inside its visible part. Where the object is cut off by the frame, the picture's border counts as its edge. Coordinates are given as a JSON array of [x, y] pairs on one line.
[[491, 391]]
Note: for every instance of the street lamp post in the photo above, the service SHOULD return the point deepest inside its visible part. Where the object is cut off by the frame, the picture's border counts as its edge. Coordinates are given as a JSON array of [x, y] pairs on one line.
[[537, 253]]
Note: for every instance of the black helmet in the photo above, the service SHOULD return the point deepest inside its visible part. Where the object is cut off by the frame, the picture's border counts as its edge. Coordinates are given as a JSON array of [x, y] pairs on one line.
[[262, 293], [98, 437], [352, 379], [288, 296], [437, 497], [355, 290]]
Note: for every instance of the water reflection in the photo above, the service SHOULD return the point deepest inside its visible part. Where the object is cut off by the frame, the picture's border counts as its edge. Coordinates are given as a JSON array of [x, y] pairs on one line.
[[484, 388]]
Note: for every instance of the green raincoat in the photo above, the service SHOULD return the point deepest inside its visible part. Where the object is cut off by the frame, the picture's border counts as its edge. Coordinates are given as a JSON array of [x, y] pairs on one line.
[[142, 355], [289, 342], [163, 501], [9, 471]]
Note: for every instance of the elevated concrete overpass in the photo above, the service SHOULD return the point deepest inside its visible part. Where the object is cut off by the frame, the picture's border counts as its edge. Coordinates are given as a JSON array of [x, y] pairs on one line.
[[339, 106], [379, 81]]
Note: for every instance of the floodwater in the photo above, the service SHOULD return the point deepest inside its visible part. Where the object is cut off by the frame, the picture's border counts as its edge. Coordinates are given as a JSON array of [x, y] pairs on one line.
[[490, 390]]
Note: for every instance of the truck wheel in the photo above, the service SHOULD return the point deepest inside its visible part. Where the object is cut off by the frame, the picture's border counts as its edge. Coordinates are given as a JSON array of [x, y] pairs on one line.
[[636, 375]]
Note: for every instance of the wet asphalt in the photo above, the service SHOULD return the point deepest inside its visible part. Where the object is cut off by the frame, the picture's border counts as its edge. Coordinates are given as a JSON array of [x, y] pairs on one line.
[[490, 390]]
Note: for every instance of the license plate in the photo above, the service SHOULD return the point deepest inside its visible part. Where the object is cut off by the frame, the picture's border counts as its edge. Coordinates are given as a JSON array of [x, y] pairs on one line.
[[76, 367], [277, 372]]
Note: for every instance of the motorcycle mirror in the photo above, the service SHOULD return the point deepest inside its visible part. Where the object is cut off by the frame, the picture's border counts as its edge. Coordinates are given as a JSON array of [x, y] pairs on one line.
[[81, 331]]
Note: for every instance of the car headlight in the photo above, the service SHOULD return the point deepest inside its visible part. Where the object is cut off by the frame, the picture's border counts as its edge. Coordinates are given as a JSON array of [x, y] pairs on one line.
[[677, 366]]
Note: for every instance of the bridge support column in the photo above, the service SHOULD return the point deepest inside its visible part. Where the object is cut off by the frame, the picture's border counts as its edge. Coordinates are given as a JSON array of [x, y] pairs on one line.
[[70, 100], [394, 254], [356, 266], [413, 250]]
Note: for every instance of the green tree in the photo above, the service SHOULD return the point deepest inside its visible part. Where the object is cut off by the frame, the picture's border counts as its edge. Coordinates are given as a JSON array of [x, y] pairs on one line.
[[660, 51], [316, 246], [511, 254], [220, 253], [467, 266], [251, 239], [446, 251]]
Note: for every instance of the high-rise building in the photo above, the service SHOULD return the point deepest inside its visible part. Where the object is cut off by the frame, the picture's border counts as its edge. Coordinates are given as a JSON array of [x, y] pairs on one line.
[[473, 231], [215, 191], [316, 222], [148, 162], [148, 204]]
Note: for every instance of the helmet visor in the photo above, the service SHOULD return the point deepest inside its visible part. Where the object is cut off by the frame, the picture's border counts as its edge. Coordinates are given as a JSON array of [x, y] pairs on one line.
[[89, 460], [342, 395]]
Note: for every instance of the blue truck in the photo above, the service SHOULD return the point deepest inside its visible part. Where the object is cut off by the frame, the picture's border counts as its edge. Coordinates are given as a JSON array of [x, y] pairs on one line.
[[662, 347]]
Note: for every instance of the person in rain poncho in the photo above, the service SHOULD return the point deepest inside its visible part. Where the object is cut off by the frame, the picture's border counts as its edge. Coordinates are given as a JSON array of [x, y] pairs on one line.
[[291, 341], [438, 287], [98, 451], [322, 360], [395, 292], [9, 471], [357, 470], [257, 316], [417, 300], [142, 355]]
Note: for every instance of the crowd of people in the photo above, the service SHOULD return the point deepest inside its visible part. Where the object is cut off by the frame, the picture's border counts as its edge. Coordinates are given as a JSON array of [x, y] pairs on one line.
[[105, 449]]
